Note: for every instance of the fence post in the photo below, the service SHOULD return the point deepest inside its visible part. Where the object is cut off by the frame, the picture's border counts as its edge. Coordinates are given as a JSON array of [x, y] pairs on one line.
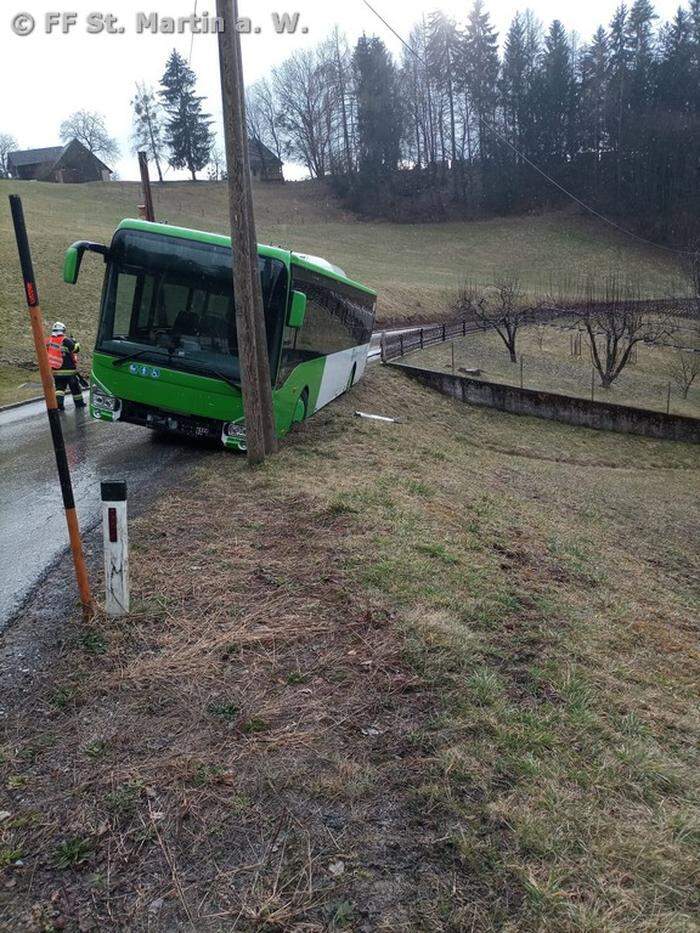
[[421, 338], [382, 348], [592, 384], [453, 357], [443, 333], [464, 328], [115, 538], [401, 343]]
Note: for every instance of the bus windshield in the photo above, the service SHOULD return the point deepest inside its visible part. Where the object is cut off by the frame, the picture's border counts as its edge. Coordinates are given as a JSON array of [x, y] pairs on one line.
[[170, 300]]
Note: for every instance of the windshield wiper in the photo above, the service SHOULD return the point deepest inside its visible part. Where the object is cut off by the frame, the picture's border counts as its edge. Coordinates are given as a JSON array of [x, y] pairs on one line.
[[132, 356]]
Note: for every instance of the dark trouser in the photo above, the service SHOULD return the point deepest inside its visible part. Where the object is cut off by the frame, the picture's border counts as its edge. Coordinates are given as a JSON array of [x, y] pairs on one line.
[[68, 382]]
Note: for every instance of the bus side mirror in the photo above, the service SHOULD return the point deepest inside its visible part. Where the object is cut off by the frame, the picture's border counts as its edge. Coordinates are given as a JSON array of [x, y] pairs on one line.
[[297, 310], [74, 256]]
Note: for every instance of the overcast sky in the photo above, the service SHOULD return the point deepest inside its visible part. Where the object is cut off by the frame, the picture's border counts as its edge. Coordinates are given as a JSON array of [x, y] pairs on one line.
[[46, 77]]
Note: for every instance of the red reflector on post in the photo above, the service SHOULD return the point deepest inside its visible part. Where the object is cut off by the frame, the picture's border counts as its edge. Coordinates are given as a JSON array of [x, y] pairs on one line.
[[112, 521]]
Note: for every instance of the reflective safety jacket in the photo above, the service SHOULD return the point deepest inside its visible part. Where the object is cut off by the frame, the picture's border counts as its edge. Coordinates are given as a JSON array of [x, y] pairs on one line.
[[62, 352]]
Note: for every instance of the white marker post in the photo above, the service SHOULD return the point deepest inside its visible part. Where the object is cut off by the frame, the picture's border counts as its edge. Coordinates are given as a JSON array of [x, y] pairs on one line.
[[115, 537]]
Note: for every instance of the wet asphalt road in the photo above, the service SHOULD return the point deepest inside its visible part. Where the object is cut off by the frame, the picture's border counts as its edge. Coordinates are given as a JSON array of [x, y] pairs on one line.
[[32, 521]]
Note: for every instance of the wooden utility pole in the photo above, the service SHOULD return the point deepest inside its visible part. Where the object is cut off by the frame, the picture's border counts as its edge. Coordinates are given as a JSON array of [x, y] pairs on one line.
[[256, 385], [147, 205]]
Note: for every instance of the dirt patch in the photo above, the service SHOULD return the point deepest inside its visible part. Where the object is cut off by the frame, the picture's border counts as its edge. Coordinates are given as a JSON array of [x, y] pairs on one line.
[[238, 753]]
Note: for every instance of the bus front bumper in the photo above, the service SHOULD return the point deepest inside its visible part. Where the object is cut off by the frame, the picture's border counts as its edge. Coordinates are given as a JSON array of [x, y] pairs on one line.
[[109, 408]]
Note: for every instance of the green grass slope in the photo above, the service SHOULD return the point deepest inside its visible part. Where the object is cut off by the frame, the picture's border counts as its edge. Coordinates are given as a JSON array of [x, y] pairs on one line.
[[438, 675], [415, 268]]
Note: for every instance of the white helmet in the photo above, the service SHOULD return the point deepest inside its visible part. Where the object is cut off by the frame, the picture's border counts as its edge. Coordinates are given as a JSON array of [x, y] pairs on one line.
[[58, 328]]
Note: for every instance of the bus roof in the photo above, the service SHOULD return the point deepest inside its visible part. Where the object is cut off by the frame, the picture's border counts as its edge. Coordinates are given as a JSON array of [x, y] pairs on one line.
[[321, 266]]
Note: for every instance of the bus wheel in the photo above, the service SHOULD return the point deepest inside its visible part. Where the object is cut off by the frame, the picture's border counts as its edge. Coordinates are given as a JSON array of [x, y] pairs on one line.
[[301, 407]]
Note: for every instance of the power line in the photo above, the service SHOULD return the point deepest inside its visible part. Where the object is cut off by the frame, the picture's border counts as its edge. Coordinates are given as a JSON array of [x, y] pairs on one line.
[[194, 14], [533, 165]]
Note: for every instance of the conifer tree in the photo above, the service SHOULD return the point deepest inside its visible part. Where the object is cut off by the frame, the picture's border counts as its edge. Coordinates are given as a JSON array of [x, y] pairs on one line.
[[187, 129], [379, 110]]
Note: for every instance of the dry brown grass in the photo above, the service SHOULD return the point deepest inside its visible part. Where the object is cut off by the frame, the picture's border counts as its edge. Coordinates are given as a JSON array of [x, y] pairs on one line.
[[435, 675]]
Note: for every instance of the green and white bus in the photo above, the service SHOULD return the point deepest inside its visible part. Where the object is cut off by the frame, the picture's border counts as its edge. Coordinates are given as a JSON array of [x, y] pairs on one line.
[[166, 355]]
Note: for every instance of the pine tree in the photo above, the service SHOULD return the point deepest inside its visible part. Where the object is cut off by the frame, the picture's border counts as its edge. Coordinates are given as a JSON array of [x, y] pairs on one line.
[[619, 96], [642, 49], [557, 95], [148, 133], [481, 66], [443, 48], [188, 133], [379, 110], [595, 80]]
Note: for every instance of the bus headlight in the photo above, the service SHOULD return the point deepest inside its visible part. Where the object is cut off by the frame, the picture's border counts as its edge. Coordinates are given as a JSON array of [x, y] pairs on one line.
[[103, 402], [235, 429]]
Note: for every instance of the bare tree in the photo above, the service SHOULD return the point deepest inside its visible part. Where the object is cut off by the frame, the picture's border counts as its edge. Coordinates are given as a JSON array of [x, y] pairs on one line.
[[303, 98], [88, 127], [540, 331], [616, 325], [502, 308], [217, 164], [262, 116], [8, 144], [149, 126], [684, 369]]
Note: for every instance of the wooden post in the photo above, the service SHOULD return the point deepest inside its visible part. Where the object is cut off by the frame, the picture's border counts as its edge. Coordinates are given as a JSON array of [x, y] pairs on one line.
[[256, 384], [401, 343], [115, 539], [421, 338], [148, 213], [37, 324]]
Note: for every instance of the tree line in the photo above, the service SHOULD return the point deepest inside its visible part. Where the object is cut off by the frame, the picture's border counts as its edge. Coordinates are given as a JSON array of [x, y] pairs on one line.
[[457, 121]]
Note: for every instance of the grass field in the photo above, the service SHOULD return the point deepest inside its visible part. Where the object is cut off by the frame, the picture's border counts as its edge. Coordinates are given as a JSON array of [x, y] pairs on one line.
[[435, 675], [551, 368], [415, 268]]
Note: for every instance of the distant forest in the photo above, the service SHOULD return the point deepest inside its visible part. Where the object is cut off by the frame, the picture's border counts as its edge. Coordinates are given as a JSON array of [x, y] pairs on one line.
[[448, 128]]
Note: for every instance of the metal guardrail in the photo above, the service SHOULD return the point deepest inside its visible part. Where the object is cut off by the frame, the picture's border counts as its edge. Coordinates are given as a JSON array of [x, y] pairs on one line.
[[398, 344]]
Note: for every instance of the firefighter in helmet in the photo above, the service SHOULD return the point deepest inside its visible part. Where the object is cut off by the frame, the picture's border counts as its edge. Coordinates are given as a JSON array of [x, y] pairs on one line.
[[63, 360]]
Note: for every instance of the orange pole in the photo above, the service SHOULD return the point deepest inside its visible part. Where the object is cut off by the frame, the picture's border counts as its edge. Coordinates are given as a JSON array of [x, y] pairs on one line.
[[37, 324]]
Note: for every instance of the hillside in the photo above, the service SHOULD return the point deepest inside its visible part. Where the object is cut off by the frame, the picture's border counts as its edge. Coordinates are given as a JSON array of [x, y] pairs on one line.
[[436, 675], [415, 268]]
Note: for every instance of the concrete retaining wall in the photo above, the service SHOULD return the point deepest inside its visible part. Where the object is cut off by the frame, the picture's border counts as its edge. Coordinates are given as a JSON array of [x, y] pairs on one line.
[[579, 411]]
